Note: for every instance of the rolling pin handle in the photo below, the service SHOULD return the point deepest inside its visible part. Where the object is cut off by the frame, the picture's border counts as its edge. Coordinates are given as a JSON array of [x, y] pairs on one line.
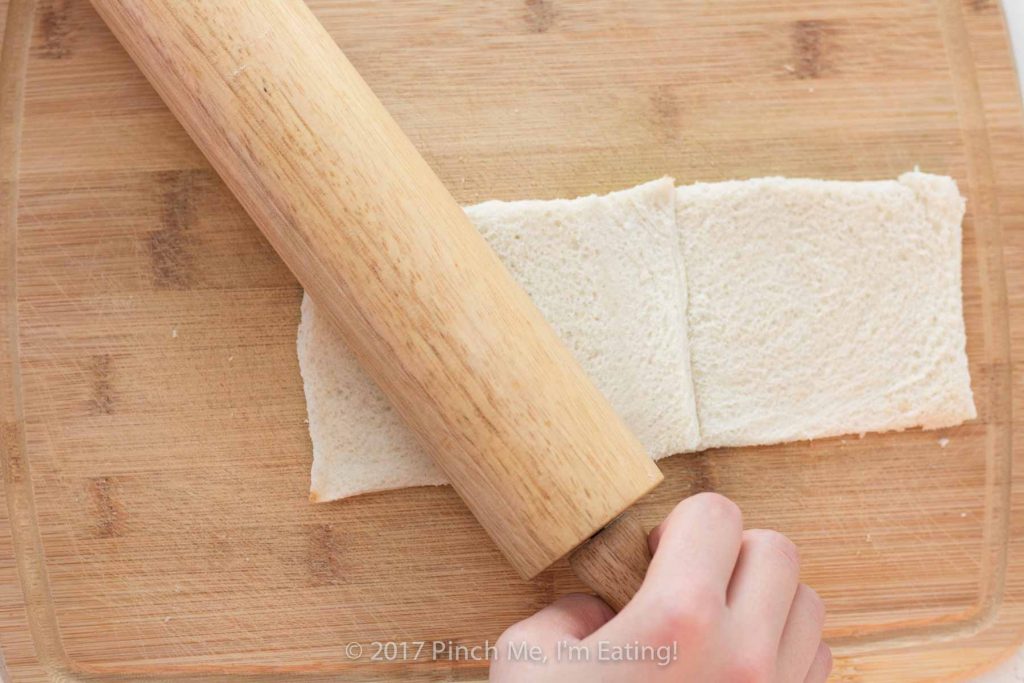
[[614, 561]]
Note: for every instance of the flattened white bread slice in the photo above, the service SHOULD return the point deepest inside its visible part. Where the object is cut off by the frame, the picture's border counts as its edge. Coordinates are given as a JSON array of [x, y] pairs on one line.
[[818, 308], [359, 442], [605, 272]]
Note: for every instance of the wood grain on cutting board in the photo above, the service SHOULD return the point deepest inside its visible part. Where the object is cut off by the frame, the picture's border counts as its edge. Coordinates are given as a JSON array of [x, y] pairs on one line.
[[154, 454]]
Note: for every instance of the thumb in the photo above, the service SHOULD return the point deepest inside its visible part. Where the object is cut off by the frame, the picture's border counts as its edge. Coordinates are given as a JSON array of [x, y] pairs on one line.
[[571, 617]]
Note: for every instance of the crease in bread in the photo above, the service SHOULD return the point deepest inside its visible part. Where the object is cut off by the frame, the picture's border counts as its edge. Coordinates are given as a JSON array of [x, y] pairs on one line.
[[605, 271]]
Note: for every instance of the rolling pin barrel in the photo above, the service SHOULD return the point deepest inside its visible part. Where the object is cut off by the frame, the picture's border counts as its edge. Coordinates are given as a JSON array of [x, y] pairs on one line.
[[370, 232]]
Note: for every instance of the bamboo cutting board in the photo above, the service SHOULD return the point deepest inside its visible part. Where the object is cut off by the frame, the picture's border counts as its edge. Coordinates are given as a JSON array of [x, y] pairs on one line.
[[154, 521]]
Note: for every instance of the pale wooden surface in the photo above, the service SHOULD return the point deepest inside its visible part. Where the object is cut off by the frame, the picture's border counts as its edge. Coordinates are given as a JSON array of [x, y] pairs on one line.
[[154, 456], [368, 229]]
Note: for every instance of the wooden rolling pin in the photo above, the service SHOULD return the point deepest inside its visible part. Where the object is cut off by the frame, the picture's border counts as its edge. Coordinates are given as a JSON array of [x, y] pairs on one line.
[[533, 448]]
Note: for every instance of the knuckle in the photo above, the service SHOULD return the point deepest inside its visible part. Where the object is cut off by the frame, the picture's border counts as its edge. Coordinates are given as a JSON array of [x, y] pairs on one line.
[[778, 542], [752, 667], [817, 605], [691, 617], [827, 658]]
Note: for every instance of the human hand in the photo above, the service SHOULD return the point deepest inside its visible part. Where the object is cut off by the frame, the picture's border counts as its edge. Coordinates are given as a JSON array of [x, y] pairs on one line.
[[717, 604]]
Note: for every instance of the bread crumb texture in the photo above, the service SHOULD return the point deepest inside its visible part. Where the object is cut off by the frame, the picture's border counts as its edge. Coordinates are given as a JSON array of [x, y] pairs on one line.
[[820, 308], [802, 308]]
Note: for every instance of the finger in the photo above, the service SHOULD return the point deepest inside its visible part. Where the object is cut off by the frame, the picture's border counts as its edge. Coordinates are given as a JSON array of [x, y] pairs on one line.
[[695, 550], [821, 667], [764, 583], [571, 617], [695, 547], [801, 635]]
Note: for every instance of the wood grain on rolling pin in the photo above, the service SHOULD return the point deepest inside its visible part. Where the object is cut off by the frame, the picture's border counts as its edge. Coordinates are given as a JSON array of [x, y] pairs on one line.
[[457, 347]]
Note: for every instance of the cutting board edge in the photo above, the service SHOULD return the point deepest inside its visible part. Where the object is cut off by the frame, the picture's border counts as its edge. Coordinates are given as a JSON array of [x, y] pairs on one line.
[[60, 669]]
